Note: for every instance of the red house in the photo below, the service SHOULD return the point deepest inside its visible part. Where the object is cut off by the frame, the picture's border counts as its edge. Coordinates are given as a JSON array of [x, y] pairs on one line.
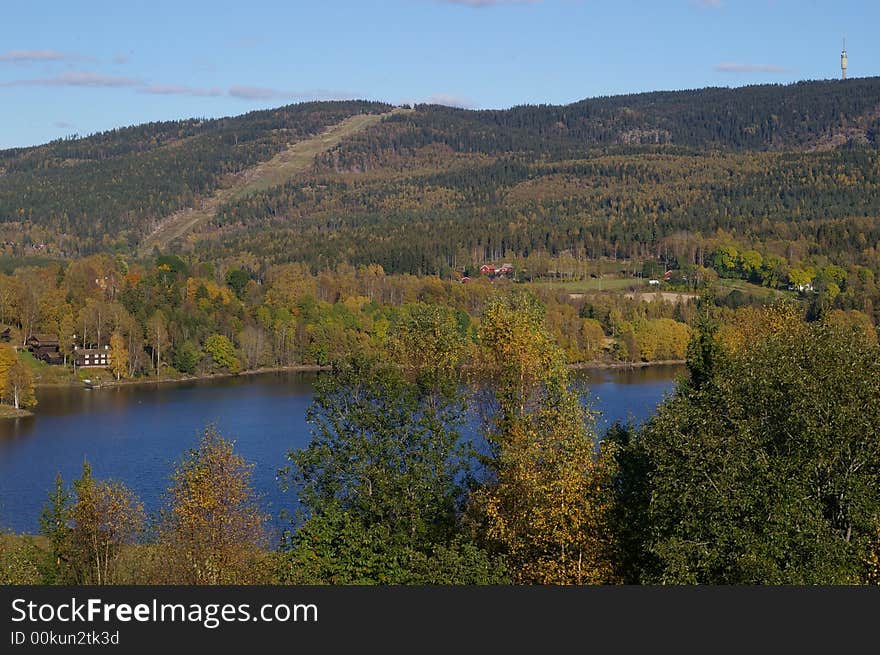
[[487, 269]]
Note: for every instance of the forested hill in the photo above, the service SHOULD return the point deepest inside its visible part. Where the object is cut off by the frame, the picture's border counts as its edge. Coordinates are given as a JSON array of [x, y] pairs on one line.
[[121, 180], [767, 117], [110, 190]]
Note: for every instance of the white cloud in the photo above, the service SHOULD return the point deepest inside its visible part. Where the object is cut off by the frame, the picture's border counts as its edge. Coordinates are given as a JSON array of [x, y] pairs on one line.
[[733, 67], [461, 102], [255, 92], [27, 56], [245, 92], [86, 79], [77, 78], [180, 89]]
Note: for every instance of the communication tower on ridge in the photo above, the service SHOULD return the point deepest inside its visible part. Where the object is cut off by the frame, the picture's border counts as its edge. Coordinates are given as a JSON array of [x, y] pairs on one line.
[[843, 60]]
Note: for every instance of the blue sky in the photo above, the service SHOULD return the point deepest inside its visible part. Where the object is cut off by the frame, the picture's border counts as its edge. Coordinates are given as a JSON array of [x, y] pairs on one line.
[[90, 65]]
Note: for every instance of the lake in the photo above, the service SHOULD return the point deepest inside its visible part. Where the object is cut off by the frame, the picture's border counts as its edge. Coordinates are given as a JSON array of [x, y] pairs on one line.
[[136, 433]]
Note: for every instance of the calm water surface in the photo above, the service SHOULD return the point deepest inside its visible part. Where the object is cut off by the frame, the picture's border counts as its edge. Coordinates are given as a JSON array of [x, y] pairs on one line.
[[136, 434]]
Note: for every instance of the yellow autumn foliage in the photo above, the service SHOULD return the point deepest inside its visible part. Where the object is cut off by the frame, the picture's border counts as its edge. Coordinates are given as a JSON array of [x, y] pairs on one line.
[[212, 290], [213, 532], [548, 510]]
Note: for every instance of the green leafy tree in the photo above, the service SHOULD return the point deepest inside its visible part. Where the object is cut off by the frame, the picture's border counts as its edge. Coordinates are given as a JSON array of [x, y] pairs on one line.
[[800, 278], [725, 260], [430, 344], [55, 518], [337, 547], [223, 353], [381, 482], [630, 527], [703, 350], [237, 280], [750, 262], [186, 357], [766, 471], [773, 270]]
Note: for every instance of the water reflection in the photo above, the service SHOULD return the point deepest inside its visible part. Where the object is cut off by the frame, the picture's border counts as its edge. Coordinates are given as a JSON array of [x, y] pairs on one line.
[[136, 433], [627, 394]]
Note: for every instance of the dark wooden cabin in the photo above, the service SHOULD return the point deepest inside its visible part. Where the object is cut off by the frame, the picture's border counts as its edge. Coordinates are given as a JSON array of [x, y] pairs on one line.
[[90, 357], [45, 348]]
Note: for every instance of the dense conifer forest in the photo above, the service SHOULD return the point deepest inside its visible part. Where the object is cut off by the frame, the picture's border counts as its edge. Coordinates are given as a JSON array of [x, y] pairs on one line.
[[115, 183], [604, 177]]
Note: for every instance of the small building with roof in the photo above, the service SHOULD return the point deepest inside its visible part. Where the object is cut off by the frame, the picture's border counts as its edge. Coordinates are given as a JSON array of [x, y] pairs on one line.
[[92, 357], [45, 347]]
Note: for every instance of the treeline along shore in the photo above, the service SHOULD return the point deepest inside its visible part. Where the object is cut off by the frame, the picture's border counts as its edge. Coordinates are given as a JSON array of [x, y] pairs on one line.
[[315, 368], [104, 320], [762, 468], [101, 321]]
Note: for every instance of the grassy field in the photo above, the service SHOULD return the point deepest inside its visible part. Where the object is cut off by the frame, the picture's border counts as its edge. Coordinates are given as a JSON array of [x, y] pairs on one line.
[[594, 284], [43, 373], [726, 286], [300, 156], [278, 170], [723, 286]]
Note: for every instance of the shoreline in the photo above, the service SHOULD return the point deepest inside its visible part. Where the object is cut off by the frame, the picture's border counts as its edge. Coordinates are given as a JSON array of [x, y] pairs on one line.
[[311, 368], [293, 368], [604, 364], [8, 411]]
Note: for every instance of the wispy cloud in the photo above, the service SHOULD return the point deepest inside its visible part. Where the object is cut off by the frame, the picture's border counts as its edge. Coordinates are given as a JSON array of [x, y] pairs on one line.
[[64, 125], [87, 79], [244, 92], [28, 56], [77, 78], [488, 3], [181, 90], [121, 58], [255, 93], [734, 67], [447, 100]]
